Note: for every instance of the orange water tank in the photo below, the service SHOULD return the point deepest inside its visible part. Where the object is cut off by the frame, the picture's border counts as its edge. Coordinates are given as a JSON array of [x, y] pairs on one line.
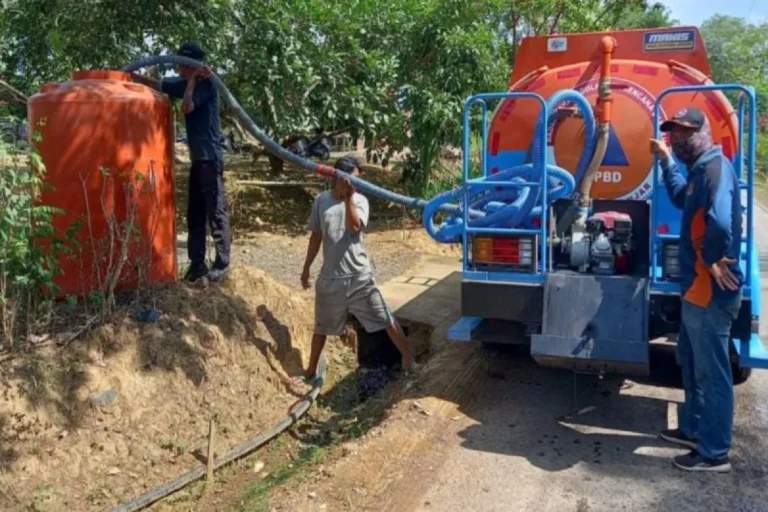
[[644, 63], [107, 145]]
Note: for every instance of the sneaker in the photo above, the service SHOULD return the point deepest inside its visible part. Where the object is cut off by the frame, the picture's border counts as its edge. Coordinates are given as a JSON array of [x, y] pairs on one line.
[[677, 437], [195, 272], [217, 275], [695, 462]]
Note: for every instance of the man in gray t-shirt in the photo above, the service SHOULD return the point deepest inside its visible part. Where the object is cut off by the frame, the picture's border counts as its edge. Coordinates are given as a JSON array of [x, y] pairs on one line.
[[346, 283]]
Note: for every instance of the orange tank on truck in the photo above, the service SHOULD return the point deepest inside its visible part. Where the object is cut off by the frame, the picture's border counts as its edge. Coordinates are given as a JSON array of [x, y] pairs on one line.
[[642, 65], [107, 145]]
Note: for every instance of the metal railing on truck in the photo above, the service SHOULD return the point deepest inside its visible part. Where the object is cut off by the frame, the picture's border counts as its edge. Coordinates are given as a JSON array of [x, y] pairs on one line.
[[751, 351], [657, 239], [537, 276]]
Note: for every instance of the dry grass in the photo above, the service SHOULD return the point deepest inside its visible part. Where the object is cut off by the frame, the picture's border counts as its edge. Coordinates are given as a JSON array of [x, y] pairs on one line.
[[223, 352]]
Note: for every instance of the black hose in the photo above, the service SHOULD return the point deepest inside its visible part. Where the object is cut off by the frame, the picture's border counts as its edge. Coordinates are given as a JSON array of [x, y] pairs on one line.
[[279, 151], [296, 412]]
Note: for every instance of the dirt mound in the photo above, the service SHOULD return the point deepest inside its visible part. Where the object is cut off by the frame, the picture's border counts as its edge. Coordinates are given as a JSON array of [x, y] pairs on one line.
[[127, 407]]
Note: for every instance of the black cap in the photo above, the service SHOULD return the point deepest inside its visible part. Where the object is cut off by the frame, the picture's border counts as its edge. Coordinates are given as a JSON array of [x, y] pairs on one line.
[[348, 164], [688, 117], [191, 51]]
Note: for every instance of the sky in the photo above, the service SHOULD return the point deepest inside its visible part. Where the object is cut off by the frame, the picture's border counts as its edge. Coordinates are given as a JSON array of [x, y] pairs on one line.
[[695, 12]]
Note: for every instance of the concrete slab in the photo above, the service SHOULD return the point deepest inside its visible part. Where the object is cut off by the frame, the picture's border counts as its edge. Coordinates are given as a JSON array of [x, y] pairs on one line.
[[428, 294]]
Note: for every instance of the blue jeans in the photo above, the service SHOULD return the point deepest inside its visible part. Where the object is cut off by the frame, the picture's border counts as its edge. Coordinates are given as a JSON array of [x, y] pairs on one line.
[[703, 354]]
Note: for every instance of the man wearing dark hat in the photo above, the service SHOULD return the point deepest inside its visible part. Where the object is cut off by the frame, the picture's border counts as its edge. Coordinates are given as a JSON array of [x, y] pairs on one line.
[[710, 243], [207, 202]]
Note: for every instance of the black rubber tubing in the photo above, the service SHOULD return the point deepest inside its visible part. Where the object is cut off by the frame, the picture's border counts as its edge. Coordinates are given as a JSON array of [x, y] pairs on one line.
[[282, 153], [178, 483]]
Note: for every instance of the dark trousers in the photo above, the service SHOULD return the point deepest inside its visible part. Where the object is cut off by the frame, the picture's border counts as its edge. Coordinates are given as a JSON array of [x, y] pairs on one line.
[[703, 353], [208, 203]]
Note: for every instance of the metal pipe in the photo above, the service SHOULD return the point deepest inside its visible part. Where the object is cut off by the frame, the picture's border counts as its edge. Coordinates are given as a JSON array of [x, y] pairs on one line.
[[484, 137], [604, 112]]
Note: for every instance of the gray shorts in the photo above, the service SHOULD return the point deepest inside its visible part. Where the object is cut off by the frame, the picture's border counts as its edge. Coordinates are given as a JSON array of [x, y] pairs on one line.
[[336, 298]]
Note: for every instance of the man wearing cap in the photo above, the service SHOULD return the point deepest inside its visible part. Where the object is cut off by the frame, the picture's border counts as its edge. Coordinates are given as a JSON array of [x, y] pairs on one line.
[[207, 202], [710, 243]]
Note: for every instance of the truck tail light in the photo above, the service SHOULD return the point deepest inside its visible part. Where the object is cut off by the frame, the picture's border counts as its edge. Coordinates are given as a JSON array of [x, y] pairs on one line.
[[519, 253], [670, 261]]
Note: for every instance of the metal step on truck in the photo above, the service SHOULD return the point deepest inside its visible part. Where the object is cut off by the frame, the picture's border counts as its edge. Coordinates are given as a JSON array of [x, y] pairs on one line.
[[591, 277]]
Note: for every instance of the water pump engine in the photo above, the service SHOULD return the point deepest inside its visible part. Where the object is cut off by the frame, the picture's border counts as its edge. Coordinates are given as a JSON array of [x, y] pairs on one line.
[[603, 245]]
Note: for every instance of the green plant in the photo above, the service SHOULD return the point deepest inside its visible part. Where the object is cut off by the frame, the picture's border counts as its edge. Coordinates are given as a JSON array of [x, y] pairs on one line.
[[29, 247], [256, 495]]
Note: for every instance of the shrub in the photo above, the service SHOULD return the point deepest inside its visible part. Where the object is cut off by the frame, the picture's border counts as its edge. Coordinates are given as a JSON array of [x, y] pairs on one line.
[[29, 247]]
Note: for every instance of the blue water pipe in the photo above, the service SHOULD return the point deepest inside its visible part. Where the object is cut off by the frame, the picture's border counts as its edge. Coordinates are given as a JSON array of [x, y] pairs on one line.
[[520, 206], [507, 208]]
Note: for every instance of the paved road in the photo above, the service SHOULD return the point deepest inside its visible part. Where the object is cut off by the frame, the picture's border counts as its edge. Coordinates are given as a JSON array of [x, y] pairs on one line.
[[509, 449]]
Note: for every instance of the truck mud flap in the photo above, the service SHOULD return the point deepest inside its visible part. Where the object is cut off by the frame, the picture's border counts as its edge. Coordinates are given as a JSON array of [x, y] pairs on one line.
[[594, 324]]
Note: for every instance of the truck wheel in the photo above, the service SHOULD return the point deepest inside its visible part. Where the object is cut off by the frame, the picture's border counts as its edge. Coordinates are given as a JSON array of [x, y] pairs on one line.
[[512, 349], [740, 374]]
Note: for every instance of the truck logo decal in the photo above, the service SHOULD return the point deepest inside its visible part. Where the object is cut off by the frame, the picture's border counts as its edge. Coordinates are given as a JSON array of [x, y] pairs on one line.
[[557, 44], [669, 41], [614, 153], [623, 164]]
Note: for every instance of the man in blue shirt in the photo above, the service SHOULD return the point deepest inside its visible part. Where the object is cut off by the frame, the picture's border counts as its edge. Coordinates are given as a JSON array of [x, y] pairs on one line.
[[710, 245], [207, 202]]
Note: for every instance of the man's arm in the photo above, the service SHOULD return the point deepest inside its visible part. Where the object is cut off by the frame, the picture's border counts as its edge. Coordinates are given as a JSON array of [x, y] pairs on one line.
[[675, 183], [188, 102], [353, 220], [199, 90], [719, 188], [315, 242], [356, 210]]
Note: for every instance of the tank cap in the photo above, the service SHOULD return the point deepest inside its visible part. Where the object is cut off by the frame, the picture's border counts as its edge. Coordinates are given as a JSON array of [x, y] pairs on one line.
[[101, 74]]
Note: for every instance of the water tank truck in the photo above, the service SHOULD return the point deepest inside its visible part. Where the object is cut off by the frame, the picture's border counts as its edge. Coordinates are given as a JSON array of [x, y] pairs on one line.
[[569, 235]]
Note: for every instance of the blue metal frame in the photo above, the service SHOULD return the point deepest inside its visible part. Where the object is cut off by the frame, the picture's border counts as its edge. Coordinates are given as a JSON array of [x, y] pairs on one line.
[[482, 99], [747, 93], [751, 351]]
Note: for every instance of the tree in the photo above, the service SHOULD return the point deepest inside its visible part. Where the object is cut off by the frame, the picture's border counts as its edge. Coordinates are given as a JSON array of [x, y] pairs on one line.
[[738, 53], [459, 48], [395, 71], [296, 65], [541, 17], [45, 40]]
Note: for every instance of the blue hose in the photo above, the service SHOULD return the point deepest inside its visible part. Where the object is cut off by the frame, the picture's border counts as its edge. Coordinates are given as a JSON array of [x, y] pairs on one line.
[[510, 207], [515, 207]]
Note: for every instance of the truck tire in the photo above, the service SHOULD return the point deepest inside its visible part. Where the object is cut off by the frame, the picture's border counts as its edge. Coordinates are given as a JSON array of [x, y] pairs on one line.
[[740, 374], [511, 349]]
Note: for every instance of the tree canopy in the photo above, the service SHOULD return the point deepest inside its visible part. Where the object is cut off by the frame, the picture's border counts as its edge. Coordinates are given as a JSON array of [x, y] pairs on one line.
[[395, 71], [738, 53]]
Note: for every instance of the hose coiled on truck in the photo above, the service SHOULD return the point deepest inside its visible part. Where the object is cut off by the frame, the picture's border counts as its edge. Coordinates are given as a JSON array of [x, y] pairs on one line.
[[512, 208], [508, 208]]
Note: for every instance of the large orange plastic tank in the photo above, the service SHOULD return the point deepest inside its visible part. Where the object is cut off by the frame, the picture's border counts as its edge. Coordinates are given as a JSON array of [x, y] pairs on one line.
[[641, 69], [107, 145]]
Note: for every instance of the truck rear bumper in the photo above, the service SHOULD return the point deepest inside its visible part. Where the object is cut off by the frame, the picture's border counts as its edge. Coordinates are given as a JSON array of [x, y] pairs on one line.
[[515, 302], [506, 312]]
